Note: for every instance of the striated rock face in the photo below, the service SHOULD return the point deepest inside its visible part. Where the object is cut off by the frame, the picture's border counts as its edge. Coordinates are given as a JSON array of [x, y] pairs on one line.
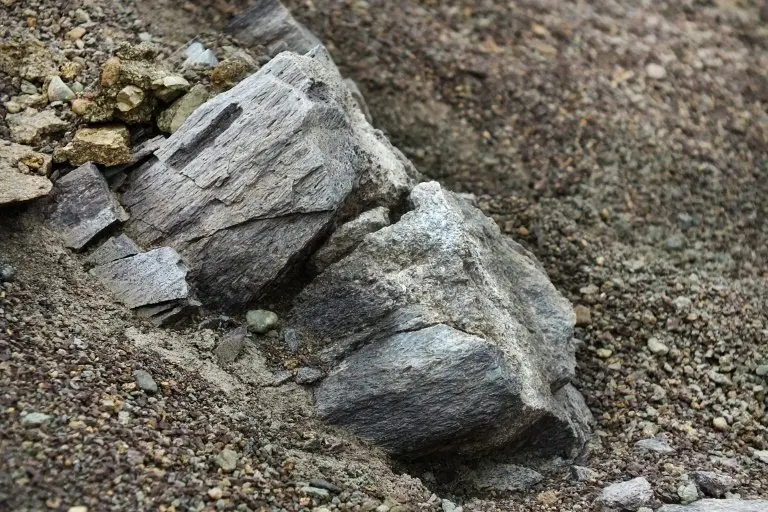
[[269, 23], [83, 206], [440, 316], [256, 177]]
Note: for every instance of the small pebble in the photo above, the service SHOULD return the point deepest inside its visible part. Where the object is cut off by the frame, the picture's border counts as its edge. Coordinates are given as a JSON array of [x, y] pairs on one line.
[[58, 90], [261, 321], [227, 460], [656, 71], [215, 493], [654, 444], [583, 315], [720, 423], [657, 347], [688, 493], [35, 419], [145, 381], [7, 273], [307, 375], [604, 353]]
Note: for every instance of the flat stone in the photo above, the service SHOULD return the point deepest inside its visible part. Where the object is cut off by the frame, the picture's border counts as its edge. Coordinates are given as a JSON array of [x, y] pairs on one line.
[[761, 455], [713, 483], [654, 444], [148, 278], [169, 87], [107, 145], [83, 206], [115, 248], [31, 126], [22, 173], [230, 345], [627, 495], [145, 381], [712, 505], [36, 419]]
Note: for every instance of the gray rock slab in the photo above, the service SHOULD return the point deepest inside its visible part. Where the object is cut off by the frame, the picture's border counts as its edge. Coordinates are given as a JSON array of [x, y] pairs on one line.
[[148, 278], [115, 248], [83, 206], [269, 23], [627, 495], [258, 175], [441, 316], [712, 505]]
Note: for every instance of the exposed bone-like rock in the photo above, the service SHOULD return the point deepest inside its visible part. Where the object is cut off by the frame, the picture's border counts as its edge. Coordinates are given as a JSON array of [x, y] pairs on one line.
[[247, 187], [148, 278], [83, 207], [440, 316]]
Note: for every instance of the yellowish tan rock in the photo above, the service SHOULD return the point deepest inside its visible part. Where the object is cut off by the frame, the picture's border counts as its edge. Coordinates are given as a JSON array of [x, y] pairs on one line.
[[107, 145]]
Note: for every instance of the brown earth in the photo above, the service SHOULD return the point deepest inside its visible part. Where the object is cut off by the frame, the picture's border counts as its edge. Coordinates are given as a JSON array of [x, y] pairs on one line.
[[644, 196]]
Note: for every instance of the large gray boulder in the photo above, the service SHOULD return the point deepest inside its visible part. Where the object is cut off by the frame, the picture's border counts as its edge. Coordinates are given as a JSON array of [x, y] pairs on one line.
[[450, 335], [259, 175]]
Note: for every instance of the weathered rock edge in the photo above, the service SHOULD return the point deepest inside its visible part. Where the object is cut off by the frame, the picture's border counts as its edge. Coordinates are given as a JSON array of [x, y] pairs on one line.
[[251, 183], [450, 335]]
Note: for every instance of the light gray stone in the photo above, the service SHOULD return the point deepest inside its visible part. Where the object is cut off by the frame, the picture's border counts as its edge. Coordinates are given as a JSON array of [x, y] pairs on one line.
[[227, 460], [583, 474], [145, 381], [713, 483], [230, 345], [441, 316], [115, 248], [199, 56], [712, 505], [83, 206], [251, 182], [349, 235], [627, 495], [148, 278], [654, 444], [36, 419], [688, 492], [261, 321], [59, 91], [269, 23]]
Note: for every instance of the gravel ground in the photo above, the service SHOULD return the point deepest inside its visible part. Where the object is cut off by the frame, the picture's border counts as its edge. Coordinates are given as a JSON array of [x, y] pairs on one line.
[[623, 142]]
